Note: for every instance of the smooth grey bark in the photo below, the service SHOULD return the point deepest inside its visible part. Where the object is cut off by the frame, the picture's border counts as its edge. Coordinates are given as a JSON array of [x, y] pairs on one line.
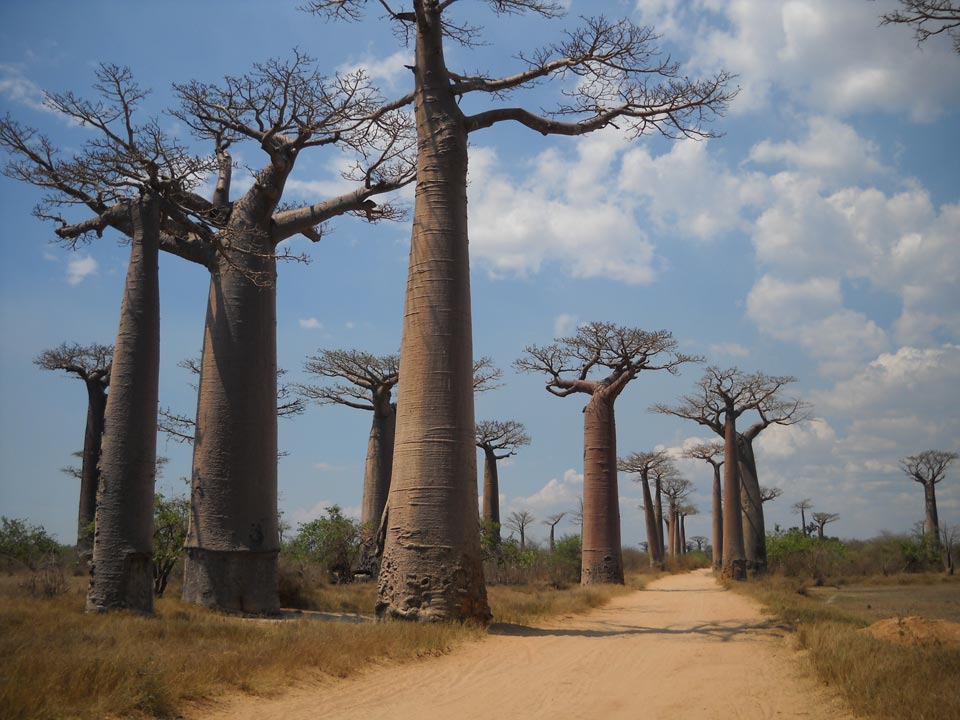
[[653, 535], [602, 560], [734, 564], [491, 491], [89, 468], [122, 570], [717, 520], [658, 512], [754, 528]]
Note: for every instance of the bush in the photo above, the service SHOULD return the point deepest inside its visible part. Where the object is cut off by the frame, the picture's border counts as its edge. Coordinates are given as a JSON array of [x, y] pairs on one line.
[[332, 542], [25, 545], [169, 533], [792, 553]]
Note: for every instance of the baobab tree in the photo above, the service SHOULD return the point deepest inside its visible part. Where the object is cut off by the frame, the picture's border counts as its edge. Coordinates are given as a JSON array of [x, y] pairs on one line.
[[131, 178], [599, 361], [643, 465], [929, 468], [499, 439], [928, 18], [676, 488], [722, 396], [767, 493], [552, 521], [369, 383], [822, 519], [712, 453], [520, 521], [684, 511], [700, 541], [90, 363], [285, 108], [621, 79], [801, 507]]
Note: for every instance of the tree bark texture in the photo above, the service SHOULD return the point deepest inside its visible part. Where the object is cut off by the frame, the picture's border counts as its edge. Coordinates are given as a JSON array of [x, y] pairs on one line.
[[233, 538], [754, 530], [431, 567], [717, 520], [89, 470], [931, 522], [602, 555], [672, 530], [683, 535], [734, 560], [658, 510], [122, 571], [491, 490], [379, 466], [653, 537]]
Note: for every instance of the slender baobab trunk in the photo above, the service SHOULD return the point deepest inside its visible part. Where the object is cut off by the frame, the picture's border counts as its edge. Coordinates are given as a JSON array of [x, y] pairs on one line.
[[672, 529], [602, 555], [376, 481], [754, 530], [683, 534], [122, 571], [233, 539], [658, 510], [89, 470], [803, 522], [431, 567], [491, 492], [653, 542], [734, 560], [553, 542], [717, 520], [931, 523]]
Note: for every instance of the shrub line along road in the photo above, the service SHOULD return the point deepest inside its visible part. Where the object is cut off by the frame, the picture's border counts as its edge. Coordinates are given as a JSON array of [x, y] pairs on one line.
[[683, 648]]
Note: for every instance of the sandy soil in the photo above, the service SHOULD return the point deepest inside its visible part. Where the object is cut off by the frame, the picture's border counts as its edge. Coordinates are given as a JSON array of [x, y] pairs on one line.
[[683, 648]]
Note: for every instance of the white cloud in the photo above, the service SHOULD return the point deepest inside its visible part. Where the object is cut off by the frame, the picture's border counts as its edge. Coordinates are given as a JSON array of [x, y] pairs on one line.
[[310, 323], [729, 349], [557, 492], [18, 88], [318, 510], [564, 325], [386, 72], [814, 436], [80, 268]]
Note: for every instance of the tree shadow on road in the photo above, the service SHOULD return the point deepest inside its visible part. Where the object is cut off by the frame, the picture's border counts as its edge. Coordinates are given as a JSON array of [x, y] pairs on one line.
[[718, 631]]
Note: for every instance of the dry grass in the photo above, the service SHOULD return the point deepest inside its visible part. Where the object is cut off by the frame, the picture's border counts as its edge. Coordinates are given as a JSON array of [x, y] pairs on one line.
[[879, 679], [56, 662]]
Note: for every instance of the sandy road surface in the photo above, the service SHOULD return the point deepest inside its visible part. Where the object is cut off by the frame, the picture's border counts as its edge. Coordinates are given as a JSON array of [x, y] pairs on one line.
[[683, 648]]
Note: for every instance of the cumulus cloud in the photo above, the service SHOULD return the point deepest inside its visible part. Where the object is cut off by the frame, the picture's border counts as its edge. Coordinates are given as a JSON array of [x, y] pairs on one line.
[[558, 492], [310, 323], [729, 349], [564, 324], [80, 268], [385, 72]]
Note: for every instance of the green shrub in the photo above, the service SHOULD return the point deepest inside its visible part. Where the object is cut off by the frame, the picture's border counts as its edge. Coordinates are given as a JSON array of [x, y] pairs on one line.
[[25, 545], [332, 542]]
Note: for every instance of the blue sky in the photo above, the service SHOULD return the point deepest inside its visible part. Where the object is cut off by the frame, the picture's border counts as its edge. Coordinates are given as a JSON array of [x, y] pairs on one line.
[[818, 237]]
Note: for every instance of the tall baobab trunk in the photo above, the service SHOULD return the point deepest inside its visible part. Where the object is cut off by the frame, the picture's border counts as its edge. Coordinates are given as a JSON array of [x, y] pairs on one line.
[[376, 480], [491, 492], [931, 522], [122, 572], [653, 542], [431, 567], [803, 521], [89, 470], [754, 530], [717, 520], [602, 554], [683, 534], [734, 560], [233, 539], [658, 510], [672, 529]]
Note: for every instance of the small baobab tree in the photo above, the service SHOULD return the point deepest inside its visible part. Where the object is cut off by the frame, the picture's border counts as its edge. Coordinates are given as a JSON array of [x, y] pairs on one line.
[[520, 520], [599, 362], [722, 396], [712, 453], [369, 383], [676, 488], [130, 177], [801, 506], [684, 511], [700, 541], [822, 519], [623, 79], [929, 468], [499, 439], [644, 465], [767, 493], [552, 521], [90, 363]]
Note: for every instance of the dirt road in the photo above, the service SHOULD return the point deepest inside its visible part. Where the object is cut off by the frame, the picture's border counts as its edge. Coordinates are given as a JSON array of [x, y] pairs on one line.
[[683, 648]]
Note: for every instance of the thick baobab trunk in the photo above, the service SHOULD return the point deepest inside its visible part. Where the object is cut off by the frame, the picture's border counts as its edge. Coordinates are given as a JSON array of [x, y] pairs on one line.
[[491, 492], [431, 567], [717, 520], [602, 555], [233, 538], [122, 571], [672, 530], [653, 541], [734, 560], [931, 522], [89, 470], [754, 530]]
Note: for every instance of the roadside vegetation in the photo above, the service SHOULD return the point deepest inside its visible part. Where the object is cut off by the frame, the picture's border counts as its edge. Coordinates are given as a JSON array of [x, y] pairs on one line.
[[829, 591]]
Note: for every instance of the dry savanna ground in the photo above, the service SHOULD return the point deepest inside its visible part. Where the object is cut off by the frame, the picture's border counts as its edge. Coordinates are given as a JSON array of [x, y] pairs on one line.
[[56, 662]]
